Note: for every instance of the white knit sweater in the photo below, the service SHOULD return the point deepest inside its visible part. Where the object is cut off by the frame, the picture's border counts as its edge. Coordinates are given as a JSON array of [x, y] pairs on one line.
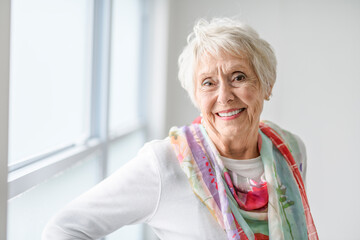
[[151, 189]]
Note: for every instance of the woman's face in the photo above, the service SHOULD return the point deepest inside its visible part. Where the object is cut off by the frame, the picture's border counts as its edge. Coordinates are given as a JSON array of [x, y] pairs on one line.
[[228, 94]]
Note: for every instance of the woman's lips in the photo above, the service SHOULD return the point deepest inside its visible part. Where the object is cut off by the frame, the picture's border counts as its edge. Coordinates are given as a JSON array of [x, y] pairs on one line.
[[230, 114]]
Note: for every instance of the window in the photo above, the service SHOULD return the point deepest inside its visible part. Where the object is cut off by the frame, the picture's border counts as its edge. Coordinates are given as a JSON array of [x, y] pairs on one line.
[[50, 75], [125, 67], [74, 113]]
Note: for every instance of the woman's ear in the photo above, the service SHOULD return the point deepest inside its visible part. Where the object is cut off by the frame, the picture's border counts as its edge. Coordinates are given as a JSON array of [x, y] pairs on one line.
[[268, 94]]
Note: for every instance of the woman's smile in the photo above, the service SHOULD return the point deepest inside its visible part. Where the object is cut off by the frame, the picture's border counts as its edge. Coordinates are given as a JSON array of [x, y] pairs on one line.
[[230, 114]]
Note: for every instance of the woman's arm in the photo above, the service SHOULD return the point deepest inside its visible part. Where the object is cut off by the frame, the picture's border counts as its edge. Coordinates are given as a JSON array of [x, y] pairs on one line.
[[128, 196]]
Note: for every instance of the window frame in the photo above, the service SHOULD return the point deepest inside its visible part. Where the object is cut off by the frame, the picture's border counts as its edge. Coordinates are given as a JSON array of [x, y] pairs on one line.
[[4, 110], [34, 170], [37, 169]]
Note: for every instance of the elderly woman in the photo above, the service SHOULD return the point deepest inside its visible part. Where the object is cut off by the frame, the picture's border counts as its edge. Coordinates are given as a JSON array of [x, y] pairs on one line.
[[226, 176]]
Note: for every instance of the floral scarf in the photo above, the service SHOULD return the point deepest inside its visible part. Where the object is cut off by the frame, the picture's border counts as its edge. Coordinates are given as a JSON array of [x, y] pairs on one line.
[[289, 215]]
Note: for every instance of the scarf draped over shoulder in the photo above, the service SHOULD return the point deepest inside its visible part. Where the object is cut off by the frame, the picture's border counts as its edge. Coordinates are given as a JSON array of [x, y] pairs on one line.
[[288, 211]]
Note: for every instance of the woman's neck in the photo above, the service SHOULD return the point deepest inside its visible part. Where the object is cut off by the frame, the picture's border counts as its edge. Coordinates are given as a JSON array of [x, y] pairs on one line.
[[241, 146]]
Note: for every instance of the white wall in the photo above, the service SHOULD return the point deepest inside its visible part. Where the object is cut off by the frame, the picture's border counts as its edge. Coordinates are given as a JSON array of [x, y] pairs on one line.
[[317, 44]]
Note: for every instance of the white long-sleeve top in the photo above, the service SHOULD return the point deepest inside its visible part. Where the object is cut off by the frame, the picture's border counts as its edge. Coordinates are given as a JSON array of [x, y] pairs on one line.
[[151, 189]]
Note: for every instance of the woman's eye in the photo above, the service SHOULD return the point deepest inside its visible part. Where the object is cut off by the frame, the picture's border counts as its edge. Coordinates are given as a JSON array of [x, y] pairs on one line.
[[207, 83], [239, 77]]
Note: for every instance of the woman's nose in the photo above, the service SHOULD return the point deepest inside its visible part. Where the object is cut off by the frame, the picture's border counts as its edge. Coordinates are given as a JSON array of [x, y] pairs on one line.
[[225, 93]]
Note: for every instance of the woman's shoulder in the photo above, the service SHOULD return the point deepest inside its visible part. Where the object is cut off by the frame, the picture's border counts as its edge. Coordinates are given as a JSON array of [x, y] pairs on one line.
[[159, 148], [294, 143], [291, 139], [158, 144], [162, 152]]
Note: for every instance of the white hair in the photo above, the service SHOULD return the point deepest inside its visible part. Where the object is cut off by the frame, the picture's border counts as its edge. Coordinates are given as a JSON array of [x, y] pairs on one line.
[[224, 35]]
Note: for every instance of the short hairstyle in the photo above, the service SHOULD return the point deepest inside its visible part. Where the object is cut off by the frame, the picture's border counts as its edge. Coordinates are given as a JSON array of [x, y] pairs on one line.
[[225, 35]]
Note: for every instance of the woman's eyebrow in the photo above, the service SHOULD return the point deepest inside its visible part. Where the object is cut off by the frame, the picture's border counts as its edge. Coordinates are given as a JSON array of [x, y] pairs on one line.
[[206, 73], [228, 69], [237, 67]]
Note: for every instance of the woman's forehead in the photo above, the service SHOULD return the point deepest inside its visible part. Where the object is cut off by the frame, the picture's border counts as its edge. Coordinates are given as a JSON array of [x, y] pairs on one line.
[[210, 64]]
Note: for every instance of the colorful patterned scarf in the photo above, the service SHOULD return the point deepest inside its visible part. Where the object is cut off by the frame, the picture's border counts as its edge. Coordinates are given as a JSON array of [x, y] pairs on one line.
[[289, 215]]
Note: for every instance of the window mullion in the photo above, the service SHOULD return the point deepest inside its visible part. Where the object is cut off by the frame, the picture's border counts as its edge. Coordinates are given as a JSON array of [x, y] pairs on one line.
[[4, 109], [100, 78], [143, 95]]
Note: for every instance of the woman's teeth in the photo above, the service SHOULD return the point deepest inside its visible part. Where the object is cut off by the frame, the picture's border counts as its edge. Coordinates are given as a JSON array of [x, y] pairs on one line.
[[229, 114]]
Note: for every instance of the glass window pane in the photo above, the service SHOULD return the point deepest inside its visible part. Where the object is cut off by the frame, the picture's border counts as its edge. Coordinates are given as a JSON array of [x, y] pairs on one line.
[[124, 149], [134, 232], [28, 213], [49, 74], [125, 62]]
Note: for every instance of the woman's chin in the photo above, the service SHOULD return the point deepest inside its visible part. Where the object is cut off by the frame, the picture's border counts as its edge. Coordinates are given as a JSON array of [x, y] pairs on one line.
[[233, 128], [230, 131]]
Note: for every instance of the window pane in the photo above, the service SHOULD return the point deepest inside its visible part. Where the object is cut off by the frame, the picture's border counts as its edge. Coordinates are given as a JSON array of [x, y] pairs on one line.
[[49, 74], [28, 213], [134, 232], [125, 62], [124, 149]]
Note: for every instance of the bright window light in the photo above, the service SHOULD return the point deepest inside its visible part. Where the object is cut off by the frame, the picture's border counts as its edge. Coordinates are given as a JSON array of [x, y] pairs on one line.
[[125, 63], [49, 75]]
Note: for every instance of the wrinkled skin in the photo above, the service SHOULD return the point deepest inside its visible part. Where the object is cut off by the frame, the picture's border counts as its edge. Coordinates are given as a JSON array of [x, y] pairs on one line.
[[226, 83]]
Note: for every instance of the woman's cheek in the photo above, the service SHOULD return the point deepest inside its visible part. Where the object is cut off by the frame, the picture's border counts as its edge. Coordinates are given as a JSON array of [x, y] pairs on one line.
[[253, 100], [248, 94]]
